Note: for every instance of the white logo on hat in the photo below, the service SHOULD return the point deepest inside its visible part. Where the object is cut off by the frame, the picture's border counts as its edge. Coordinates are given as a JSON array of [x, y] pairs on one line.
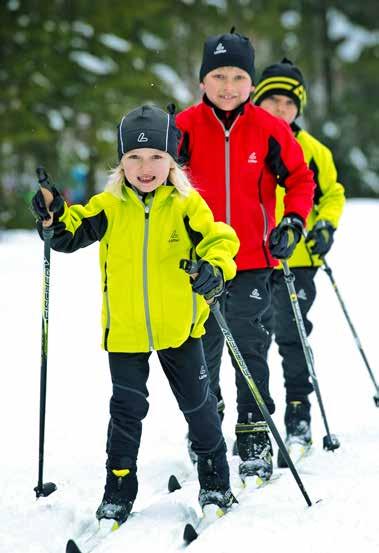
[[142, 138], [220, 49]]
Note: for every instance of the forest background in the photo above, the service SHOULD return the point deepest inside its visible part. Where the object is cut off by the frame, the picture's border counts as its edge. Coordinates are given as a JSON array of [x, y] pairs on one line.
[[71, 68]]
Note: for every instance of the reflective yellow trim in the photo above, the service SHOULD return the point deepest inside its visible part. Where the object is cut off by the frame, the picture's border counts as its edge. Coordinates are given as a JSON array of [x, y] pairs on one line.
[[121, 472], [116, 526]]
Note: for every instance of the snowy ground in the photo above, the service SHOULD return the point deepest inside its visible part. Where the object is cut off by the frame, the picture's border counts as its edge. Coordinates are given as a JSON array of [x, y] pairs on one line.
[[274, 518]]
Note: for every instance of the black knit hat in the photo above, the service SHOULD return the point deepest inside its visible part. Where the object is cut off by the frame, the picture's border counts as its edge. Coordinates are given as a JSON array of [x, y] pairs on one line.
[[148, 127], [231, 49], [282, 78]]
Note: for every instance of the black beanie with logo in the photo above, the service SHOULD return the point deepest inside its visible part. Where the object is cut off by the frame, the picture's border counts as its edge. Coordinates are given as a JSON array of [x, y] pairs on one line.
[[228, 50], [148, 127], [282, 78]]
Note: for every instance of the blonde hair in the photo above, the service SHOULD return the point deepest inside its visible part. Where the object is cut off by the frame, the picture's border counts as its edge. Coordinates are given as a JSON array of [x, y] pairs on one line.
[[176, 177]]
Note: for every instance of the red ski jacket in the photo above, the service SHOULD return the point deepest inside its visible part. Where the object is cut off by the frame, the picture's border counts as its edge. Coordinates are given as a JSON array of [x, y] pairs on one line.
[[237, 171]]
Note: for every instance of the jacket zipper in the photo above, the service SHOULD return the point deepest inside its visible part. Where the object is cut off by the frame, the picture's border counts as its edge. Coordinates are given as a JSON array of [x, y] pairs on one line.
[[145, 279], [227, 166]]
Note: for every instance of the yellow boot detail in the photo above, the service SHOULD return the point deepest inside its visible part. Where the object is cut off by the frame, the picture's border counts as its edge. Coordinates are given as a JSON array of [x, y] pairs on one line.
[[120, 473]]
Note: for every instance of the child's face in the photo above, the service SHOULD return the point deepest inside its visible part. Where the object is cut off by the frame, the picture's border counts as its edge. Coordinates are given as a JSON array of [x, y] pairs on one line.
[[227, 87], [146, 168], [280, 106]]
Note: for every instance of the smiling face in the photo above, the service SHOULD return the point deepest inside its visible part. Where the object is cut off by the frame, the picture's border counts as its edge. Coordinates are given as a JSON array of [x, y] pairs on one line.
[[227, 87], [281, 106], [146, 168]]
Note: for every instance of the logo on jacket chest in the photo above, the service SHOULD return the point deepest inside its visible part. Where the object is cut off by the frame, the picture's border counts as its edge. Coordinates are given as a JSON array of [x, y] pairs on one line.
[[174, 237], [252, 158]]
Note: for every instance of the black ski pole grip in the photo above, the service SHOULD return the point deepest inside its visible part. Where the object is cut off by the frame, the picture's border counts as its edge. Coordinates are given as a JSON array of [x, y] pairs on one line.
[[188, 266], [43, 178]]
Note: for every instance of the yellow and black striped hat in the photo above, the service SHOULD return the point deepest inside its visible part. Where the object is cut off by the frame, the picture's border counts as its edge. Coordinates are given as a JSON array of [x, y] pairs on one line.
[[282, 78]]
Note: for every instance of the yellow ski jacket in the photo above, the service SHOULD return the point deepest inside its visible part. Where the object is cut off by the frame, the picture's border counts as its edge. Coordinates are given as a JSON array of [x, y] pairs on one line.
[[329, 195], [148, 301]]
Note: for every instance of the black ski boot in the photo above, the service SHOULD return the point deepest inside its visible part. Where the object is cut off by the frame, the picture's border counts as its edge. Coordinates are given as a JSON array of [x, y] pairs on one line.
[[255, 450], [213, 472], [119, 495], [298, 429]]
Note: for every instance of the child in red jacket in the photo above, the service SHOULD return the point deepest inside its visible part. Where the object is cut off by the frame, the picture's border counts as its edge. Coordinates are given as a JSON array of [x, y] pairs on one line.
[[236, 155]]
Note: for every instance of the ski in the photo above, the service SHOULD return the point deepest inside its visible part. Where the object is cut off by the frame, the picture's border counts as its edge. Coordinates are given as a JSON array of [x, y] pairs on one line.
[[173, 484], [92, 540], [297, 451], [211, 513]]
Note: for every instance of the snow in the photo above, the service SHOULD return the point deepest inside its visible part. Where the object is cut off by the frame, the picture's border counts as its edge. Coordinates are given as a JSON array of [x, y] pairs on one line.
[[92, 63], [274, 518], [115, 42], [169, 76], [354, 37]]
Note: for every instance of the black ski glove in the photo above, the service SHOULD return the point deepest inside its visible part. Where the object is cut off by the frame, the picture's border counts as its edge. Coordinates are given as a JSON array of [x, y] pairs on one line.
[[284, 238], [322, 237], [209, 282], [39, 207]]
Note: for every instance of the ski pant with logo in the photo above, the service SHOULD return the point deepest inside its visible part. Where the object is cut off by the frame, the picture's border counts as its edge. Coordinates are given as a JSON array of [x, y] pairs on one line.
[[280, 320], [187, 374], [246, 298]]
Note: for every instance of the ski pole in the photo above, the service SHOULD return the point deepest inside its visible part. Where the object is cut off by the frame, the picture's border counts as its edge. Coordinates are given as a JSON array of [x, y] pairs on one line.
[[44, 489], [330, 441], [328, 271], [191, 268]]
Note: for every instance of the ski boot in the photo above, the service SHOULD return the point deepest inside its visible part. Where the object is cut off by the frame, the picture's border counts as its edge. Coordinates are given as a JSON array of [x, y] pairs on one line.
[[298, 429], [213, 472], [119, 495], [255, 451]]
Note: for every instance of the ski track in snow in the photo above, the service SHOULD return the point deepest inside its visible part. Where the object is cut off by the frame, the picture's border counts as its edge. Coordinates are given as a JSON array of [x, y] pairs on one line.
[[274, 518]]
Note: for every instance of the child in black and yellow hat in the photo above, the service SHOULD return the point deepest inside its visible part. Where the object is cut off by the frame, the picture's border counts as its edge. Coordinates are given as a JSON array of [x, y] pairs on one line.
[[281, 91]]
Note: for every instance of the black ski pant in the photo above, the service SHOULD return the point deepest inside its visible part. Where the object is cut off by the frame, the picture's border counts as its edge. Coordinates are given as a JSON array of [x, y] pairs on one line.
[[246, 298], [280, 320], [187, 374]]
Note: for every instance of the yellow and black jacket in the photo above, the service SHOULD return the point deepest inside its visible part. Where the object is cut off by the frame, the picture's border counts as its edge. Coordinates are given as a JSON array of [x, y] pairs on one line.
[[329, 195], [148, 301]]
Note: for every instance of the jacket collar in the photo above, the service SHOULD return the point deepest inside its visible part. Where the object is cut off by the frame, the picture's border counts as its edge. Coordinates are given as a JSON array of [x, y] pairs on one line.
[[160, 194], [295, 128], [226, 117]]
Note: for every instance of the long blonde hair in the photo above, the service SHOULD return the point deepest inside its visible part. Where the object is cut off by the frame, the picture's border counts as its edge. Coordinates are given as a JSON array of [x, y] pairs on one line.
[[176, 176]]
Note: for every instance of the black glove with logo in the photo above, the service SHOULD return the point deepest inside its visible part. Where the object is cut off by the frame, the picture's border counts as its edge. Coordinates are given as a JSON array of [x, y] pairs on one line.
[[284, 238], [39, 207], [209, 282], [322, 237]]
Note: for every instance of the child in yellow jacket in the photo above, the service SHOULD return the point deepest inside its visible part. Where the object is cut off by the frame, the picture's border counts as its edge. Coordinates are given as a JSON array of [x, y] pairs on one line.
[[281, 91], [149, 218]]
